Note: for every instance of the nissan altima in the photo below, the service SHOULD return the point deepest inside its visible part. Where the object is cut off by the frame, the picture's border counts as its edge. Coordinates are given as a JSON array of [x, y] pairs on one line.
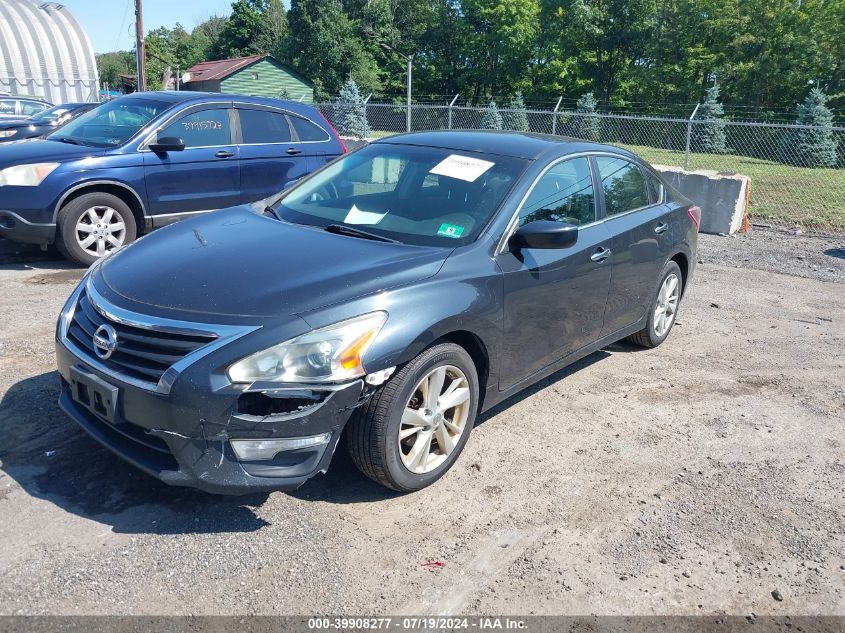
[[391, 296]]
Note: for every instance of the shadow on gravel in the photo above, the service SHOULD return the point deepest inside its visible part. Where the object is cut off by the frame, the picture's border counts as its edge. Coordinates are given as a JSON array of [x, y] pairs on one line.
[[839, 253], [343, 483], [53, 459]]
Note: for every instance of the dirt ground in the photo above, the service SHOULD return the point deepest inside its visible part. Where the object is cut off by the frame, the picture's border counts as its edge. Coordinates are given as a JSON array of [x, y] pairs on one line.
[[704, 477]]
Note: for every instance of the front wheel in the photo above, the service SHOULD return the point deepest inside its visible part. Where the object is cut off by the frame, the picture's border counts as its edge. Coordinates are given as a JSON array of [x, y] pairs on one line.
[[664, 308], [93, 226], [414, 427]]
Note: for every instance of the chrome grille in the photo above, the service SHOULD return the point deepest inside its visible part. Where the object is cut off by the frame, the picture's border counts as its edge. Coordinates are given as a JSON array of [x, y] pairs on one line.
[[142, 353]]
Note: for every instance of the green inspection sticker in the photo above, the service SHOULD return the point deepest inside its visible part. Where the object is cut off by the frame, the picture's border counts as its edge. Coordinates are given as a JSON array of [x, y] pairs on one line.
[[450, 230]]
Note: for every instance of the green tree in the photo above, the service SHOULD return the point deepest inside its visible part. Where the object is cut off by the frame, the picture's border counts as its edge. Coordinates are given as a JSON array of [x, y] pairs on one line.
[[244, 32], [585, 123], [325, 47], [813, 147], [708, 129], [351, 111], [491, 119], [111, 65], [515, 118]]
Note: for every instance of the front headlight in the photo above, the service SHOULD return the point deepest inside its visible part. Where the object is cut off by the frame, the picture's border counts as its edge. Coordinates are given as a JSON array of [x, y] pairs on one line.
[[26, 175], [7, 133], [330, 354]]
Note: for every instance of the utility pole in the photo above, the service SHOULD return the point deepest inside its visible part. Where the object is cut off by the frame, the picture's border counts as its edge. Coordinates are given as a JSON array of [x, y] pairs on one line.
[[140, 49]]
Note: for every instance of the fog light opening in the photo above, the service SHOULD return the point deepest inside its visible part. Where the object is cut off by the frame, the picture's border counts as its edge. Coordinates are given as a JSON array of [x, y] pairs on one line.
[[258, 450]]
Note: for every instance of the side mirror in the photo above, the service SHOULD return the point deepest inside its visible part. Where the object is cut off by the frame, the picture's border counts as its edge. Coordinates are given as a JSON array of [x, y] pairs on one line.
[[545, 234], [167, 144]]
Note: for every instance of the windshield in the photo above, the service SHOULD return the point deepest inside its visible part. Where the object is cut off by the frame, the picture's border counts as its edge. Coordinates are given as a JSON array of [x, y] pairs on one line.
[[112, 123], [50, 114], [416, 195]]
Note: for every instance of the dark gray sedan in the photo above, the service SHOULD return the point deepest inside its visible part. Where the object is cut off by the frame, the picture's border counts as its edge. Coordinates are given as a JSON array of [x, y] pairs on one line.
[[43, 122], [393, 295]]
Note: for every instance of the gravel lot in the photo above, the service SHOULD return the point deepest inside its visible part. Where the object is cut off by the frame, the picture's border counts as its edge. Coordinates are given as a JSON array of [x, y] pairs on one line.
[[706, 476]]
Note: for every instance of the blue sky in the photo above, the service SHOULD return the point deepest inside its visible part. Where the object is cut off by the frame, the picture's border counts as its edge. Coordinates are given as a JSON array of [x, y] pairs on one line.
[[109, 22]]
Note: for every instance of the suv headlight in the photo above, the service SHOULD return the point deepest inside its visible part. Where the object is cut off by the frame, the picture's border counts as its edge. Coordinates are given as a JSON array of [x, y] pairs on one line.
[[330, 354], [26, 175]]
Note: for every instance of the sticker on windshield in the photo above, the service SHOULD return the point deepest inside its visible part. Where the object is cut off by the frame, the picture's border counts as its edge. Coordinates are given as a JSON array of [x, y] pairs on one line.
[[356, 216], [450, 230], [461, 167]]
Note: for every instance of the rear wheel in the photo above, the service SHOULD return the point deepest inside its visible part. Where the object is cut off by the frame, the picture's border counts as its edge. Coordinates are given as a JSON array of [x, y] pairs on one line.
[[415, 426], [664, 308], [94, 225]]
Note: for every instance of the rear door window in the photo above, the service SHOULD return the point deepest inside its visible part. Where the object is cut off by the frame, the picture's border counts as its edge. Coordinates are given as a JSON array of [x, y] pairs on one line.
[[307, 131], [7, 106], [623, 184], [206, 128], [263, 126]]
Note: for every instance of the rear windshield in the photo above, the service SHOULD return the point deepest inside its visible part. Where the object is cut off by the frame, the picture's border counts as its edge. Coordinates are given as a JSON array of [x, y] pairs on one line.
[[112, 123], [416, 195]]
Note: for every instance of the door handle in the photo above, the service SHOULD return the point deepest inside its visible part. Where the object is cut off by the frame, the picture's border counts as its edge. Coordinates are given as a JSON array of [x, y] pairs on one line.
[[292, 151], [224, 154], [661, 228], [601, 254]]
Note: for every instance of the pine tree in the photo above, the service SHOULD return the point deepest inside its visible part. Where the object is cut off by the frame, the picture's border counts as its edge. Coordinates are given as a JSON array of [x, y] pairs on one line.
[[585, 124], [515, 118], [811, 147], [708, 130], [351, 112], [490, 118]]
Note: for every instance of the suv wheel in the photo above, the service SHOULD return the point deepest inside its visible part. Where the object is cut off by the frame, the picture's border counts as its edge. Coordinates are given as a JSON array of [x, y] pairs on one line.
[[93, 226], [664, 308], [415, 426]]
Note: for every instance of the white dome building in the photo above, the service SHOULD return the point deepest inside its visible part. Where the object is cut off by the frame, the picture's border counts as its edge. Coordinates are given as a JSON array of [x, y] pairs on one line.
[[44, 52]]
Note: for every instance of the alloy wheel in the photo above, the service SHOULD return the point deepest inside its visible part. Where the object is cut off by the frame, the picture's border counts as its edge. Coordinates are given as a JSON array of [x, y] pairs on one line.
[[434, 419], [667, 305], [100, 230]]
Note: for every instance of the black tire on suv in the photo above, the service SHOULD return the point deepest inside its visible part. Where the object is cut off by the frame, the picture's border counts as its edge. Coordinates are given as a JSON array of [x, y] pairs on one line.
[[93, 225]]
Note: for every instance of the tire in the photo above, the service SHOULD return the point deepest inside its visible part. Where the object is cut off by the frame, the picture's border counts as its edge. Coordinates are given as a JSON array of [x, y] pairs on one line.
[[105, 214], [655, 332], [373, 434]]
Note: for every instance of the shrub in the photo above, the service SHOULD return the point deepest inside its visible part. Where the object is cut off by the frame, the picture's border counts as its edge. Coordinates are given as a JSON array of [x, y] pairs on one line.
[[491, 119], [351, 112]]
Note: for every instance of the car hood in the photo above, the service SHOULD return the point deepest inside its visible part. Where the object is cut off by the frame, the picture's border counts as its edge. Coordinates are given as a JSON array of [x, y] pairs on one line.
[[43, 151], [238, 263], [13, 125]]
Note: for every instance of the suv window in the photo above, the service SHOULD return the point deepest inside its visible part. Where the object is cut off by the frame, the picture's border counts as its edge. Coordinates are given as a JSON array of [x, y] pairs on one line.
[[563, 194], [206, 128], [262, 126], [307, 131], [623, 184]]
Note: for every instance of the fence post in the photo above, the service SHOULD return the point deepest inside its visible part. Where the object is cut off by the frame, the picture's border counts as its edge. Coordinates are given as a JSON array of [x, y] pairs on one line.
[[689, 136], [367, 118], [554, 116], [451, 103]]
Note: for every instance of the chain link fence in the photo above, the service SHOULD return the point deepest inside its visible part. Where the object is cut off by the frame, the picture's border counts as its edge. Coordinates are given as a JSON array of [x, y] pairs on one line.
[[797, 172]]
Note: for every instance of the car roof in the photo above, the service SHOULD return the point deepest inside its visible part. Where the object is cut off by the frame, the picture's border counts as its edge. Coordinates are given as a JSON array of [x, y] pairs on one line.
[[515, 144], [185, 96]]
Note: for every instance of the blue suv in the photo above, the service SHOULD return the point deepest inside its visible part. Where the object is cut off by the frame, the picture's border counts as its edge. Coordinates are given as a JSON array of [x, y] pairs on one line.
[[149, 159]]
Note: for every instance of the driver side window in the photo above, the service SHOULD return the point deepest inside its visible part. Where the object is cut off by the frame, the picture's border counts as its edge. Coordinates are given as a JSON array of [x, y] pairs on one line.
[[206, 128], [563, 194]]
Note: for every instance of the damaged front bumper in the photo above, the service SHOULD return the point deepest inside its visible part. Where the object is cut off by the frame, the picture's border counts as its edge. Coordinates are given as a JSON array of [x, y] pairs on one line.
[[184, 438]]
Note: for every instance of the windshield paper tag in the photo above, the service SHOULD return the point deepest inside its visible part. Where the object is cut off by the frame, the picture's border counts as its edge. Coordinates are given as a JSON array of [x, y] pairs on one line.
[[461, 167], [450, 230], [356, 216]]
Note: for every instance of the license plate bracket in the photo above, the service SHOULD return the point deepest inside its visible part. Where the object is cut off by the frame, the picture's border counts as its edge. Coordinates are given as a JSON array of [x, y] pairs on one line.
[[93, 393]]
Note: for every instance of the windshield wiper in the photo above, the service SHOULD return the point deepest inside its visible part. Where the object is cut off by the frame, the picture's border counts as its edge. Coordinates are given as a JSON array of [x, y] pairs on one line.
[[270, 211], [65, 139], [342, 229]]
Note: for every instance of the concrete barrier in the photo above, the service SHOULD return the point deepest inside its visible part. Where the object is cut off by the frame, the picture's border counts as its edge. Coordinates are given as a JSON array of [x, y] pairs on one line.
[[723, 197]]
